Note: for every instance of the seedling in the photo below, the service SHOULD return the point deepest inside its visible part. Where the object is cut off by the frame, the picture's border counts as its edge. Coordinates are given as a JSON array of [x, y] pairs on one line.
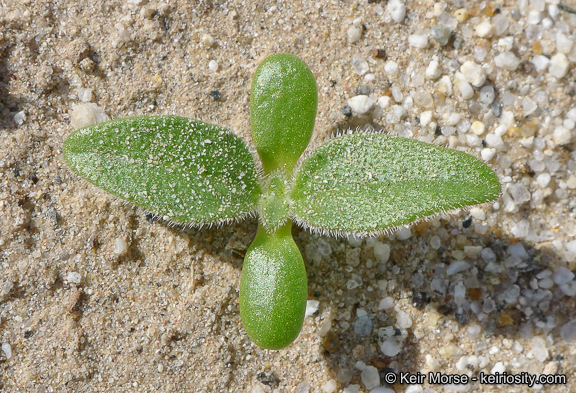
[[360, 184]]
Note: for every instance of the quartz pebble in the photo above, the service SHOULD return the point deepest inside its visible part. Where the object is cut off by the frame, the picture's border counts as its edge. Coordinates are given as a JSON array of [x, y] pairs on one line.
[[360, 65], [386, 303], [403, 320], [213, 65], [474, 73], [329, 387], [433, 71], [441, 34], [354, 34], [74, 277], [390, 347], [391, 67], [352, 389], [558, 65], [302, 387], [311, 307], [484, 29], [370, 377], [541, 63], [418, 40], [507, 61], [7, 349], [463, 86], [120, 246], [86, 114], [567, 331], [361, 104], [381, 252], [561, 135], [397, 10]]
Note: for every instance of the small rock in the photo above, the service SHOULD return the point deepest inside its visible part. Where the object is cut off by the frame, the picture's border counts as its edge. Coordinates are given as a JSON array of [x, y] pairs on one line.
[[441, 34], [213, 65], [418, 40], [330, 386], [397, 10], [370, 377], [381, 252], [311, 307], [562, 135], [498, 368], [386, 303], [74, 277], [391, 67], [474, 73], [463, 86], [207, 40], [433, 71], [120, 247], [7, 349], [302, 387], [484, 29], [558, 65], [457, 267], [403, 320], [20, 118], [361, 104], [83, 115], [354, 34], [541, 63], [360, 65], [444, 85], [567, 332], [507, 61]]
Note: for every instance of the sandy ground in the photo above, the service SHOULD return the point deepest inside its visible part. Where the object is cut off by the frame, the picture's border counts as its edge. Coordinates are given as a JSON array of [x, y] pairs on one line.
[[77, 317]]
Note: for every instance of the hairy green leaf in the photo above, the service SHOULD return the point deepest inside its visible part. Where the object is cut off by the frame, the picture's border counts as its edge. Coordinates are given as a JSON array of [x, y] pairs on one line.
[[185, 170], [273, 289], [283, 106], [366, 183]]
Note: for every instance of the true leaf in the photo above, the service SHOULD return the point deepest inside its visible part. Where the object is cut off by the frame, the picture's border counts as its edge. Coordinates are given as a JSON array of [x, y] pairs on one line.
[[283, 104], [364, 184], [185, 170]]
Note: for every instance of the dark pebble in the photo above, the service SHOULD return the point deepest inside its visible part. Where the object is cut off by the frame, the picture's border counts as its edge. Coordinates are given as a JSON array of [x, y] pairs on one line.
[[268, 379], [215, 94], [467, 222], [347, 111]]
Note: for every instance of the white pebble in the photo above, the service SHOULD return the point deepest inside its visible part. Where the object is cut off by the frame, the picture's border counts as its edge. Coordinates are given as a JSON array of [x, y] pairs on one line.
[[390, 347], [478, 127], [354, 34], [567, 332], [302, 387], [418, 40], [404, 233], [83, 115], [505, 44], [384, 102], [403, 320], [360, 65], [213, 65], [484, 29], [540, 62], [433, 71], [474, 73], [74, 277], [311, 307], [444, 86], [7, 349], [562, 135], [498, 368], [558, 65], [397, 10], [478, 213], [330, 386], [425, 118], [207, 40], [120, 247], [361, 104], [391, 67], [351, 389], [386, 303], [435, 242], [457, 267], [529, 106], [507, 61], [463, 86], [84, 95], [370, 377], [543, 179], [381, 252], [20, 118], [521, 229]]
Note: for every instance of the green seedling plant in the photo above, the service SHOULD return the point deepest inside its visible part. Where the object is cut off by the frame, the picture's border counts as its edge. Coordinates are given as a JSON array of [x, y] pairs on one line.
[[357, 184]]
